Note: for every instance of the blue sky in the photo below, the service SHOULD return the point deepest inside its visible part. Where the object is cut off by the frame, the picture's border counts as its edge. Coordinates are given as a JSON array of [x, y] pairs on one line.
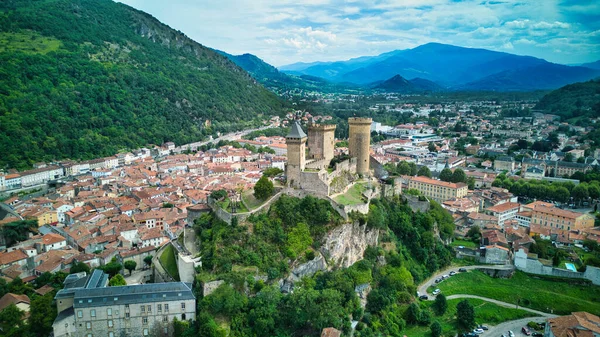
[[287, 31]]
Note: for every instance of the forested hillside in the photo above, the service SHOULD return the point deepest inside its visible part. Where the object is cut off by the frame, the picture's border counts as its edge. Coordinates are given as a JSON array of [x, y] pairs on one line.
[[573, 100], [87, 78], [292, 232]]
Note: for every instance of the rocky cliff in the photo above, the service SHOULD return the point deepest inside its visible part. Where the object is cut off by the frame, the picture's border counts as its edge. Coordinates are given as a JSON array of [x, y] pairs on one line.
[[343, 246]]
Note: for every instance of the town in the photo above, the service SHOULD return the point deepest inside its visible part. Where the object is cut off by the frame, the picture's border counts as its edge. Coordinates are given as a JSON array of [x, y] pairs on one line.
[[503, 191]]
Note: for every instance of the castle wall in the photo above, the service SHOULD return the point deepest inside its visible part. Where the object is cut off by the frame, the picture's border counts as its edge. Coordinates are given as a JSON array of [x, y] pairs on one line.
[[359, 142]]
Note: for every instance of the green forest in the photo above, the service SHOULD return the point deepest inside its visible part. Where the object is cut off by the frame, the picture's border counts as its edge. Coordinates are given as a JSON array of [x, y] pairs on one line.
[[574, 100], [82, 79], [292, 230]]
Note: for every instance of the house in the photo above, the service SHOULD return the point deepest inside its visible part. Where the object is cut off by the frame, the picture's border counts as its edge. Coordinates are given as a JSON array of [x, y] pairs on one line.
[[577, 324], [496, 254], [17, 256], [438, 190], [505, 211], [504, 163], [87, 304], [21, 301], [52, 241]]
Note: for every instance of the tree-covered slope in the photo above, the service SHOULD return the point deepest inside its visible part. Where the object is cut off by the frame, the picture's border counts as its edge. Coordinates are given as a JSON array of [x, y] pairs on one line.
[[573, 100], [86, 78]]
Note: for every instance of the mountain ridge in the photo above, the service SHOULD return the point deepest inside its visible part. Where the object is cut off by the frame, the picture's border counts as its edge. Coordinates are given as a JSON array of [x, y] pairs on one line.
[[456, 67]]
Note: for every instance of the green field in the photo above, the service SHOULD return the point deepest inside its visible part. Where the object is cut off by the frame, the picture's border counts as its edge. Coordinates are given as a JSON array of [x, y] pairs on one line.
[[250, 201], [353, 196], [485, 313], [169, 263], [465, 243], [531, 292], [27, 42]]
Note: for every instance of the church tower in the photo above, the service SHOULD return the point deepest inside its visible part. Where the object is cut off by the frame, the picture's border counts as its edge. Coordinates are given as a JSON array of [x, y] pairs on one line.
[[296, 153]]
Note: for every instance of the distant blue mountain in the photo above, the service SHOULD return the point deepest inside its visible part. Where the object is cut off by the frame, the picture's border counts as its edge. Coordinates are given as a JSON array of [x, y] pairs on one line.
[[593, 65], [453, 67], [399, 84]]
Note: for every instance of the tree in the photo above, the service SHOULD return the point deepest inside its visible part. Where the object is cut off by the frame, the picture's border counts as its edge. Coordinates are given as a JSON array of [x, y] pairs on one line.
[[436, 329], [130, 265], [465, 315], [413, 168], [446, 175], [117, 280], [459, 176], [403, 168], [594, 191], [218, 195], [18, 230], [148, 260], [11, 322], [263, 188], [272, 171], [522, 144], [580, 192], [112, 268], [569, 157], [424, 172], [431, 147], [475, 234], [79, 267], [440, 305], [41, 315], [413, 314], [471, 183]]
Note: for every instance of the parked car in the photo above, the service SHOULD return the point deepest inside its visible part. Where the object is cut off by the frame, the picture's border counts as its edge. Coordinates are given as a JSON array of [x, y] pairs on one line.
[[478, 331], [483, 327], [452, 273], [445, 277], [511, 334], [423, 297], [503, 335], [526, 331], [537, 334], [462, 270], [437, 291], [438, 280]]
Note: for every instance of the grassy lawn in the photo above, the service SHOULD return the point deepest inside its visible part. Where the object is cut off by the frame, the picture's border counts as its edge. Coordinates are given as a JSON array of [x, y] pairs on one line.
[[353, 196], [485, 313], [534, 293], [167, 259], [226, 205], [250, 201], [465, 243]]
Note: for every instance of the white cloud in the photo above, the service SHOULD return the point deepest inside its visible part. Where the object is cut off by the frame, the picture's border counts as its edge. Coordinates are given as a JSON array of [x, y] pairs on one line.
[[287, 31]]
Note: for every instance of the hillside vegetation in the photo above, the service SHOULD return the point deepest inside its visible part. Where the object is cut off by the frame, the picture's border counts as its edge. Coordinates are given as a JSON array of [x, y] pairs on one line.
[[87, 78], [573, 100]]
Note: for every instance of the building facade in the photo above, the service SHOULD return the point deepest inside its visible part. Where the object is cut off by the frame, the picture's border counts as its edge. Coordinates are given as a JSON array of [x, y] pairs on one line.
[[552, 217], [88, 308], [438, 190]]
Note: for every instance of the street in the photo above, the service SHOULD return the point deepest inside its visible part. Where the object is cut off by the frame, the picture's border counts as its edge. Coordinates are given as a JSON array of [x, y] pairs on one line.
[[229, 137]]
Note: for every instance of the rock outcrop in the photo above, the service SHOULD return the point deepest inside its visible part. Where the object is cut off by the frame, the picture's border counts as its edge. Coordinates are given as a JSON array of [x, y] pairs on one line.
[[346, 244]]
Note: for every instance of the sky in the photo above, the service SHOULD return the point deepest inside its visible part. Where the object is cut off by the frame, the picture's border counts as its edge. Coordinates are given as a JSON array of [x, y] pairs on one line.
[[287, 31]]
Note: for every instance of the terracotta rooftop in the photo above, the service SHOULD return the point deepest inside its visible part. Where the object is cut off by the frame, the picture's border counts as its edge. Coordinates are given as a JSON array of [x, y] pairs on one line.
[[10, 298], [430, 181], [504, 207]]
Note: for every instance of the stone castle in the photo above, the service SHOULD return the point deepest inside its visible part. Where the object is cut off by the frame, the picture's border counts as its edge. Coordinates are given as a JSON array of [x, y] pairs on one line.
[[311, 172]]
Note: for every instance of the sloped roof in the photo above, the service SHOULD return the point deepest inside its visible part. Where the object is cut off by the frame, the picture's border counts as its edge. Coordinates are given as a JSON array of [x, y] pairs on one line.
[[10, 298], [296, 131]]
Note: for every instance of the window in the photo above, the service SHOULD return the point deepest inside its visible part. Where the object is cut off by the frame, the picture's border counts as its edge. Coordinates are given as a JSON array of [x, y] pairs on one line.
[[166, 330], [127, 315], [143, 309], [149, 308], [109, 311], [159, 307], [182, 305], [165, 319], [93, 312], [111, 334], [79, 314], [166, 307], [145, 332], [144, 320], [126, 306], [88, 325], [110, 323]]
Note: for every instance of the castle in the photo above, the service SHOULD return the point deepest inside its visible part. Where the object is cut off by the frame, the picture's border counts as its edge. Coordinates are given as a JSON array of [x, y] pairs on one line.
[[311, 173]]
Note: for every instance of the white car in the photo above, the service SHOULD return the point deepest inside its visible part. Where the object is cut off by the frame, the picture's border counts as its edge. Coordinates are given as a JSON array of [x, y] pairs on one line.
[[478, 331], [437, 291], [511, 334]]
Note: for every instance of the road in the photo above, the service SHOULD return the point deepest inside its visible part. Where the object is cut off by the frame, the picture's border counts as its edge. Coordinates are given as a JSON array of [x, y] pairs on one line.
[[228, 136], [500, 303], [430, 281], [514, 326]]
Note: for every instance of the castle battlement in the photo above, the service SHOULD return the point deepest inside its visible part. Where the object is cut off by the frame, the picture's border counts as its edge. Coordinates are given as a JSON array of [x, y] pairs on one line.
[[360, 120], [322, 127]]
